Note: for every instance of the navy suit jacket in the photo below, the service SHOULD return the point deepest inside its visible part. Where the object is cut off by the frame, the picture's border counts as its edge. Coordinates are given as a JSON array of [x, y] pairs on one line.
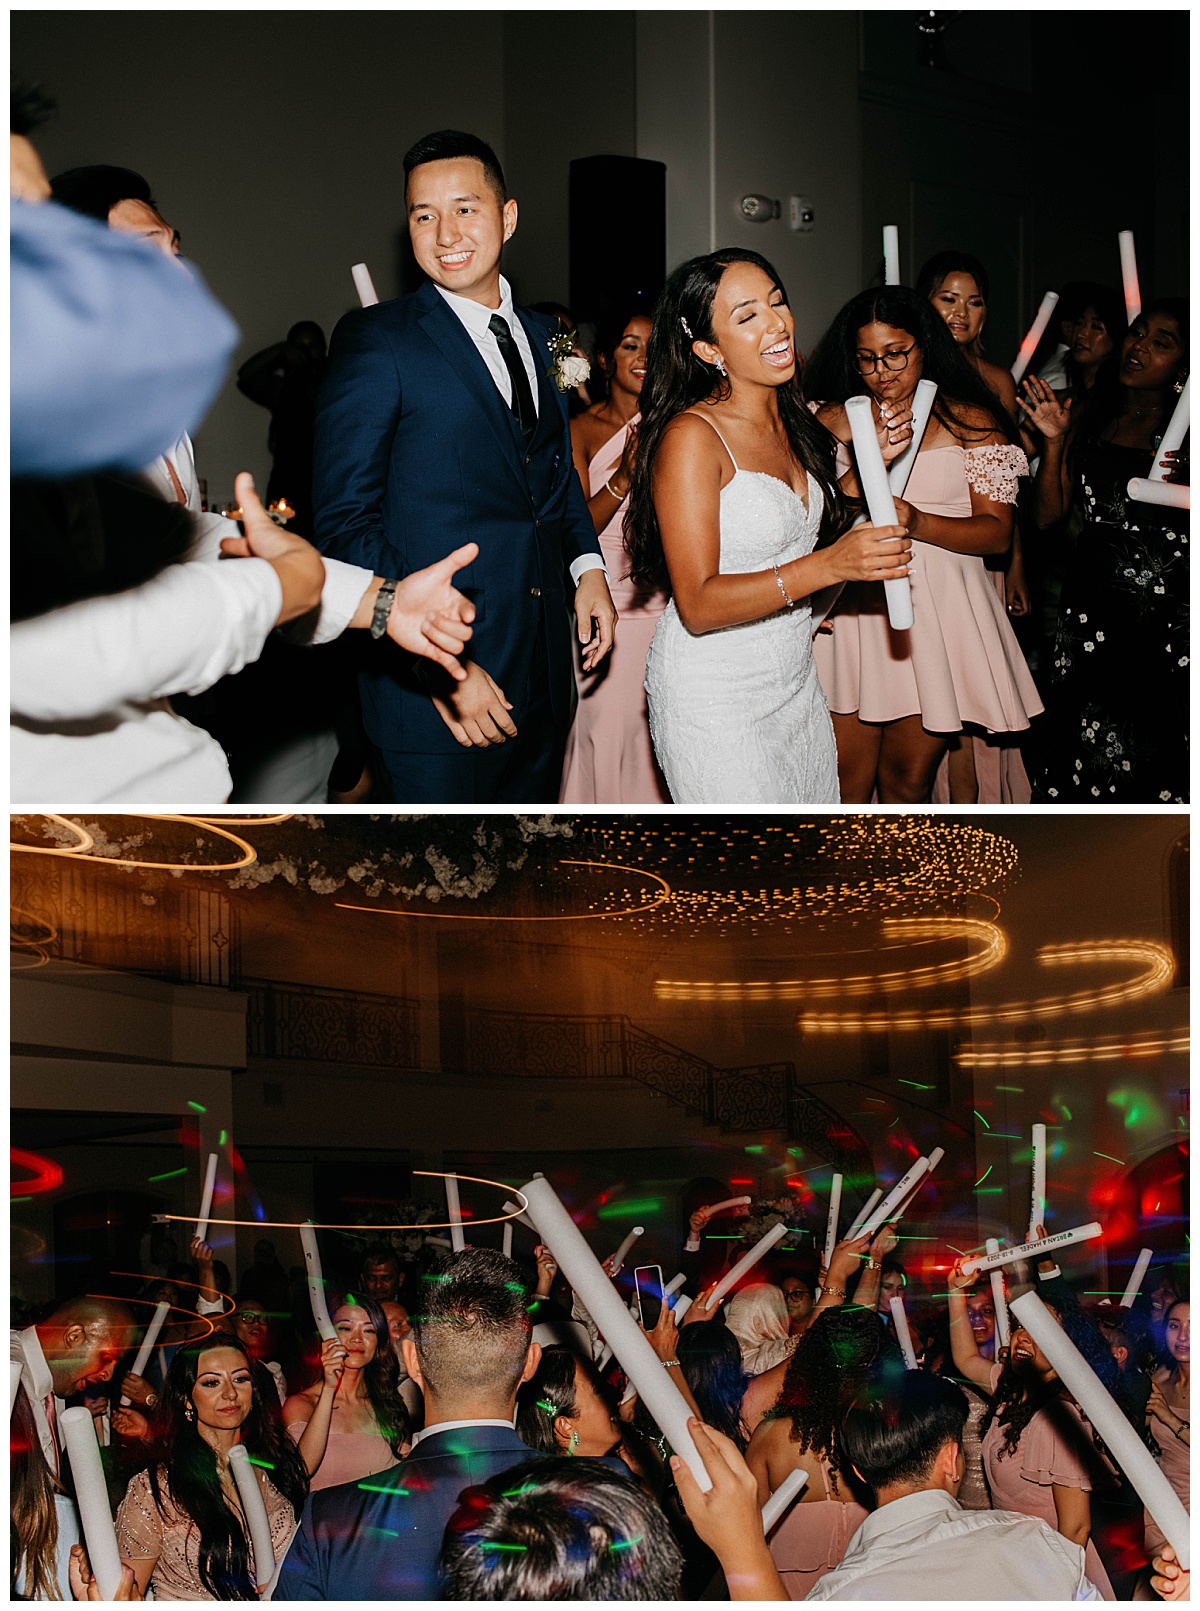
[[418, 453], [381, 1539]]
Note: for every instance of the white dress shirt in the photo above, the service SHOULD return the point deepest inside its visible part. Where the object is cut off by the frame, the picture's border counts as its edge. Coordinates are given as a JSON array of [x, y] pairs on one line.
[[474, 318], [453, 1426], [25, 1349], [927, 1547]]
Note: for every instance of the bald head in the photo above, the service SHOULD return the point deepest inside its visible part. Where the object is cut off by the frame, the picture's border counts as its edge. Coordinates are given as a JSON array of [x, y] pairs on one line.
[[83, 1340]]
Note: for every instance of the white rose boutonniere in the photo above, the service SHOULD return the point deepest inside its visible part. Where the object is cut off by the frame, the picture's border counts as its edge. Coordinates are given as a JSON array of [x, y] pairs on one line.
[[567, 368]]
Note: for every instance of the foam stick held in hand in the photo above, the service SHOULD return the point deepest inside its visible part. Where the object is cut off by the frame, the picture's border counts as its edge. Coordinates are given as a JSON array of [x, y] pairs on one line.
[[618, 1258], [863, 1212], [892, 1205], [1129, 275], [782, 1498], [1036, 331], [891, 254], [1167, 494], [874, 481], [206, 1196], [1136, 1279], [91, 1495], [746, 1263], [903, 1335], [1120, 1439], [316, 1284], [367, 295], [1037, 1202], [148, 1341], [1175, 432], [454, 1212], [1036, 1248], [999, 1306], [922, 406], [255, 1511], [693, 1241], [621, 1332], [831, 1224]]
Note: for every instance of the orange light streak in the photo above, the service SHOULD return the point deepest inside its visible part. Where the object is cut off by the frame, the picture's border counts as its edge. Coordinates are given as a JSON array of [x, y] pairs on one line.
[[568, 917]]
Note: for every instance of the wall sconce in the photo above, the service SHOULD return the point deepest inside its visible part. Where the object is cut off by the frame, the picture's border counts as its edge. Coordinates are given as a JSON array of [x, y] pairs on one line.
[[759, 209]]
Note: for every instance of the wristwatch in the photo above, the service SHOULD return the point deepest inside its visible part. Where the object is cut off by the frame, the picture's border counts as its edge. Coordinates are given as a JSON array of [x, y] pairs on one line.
[[383, 607], [151, 1401]]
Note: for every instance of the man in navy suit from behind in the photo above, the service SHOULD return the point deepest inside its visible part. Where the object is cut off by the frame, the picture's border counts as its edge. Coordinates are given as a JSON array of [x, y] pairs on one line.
[[472, 1347], [440, 423]]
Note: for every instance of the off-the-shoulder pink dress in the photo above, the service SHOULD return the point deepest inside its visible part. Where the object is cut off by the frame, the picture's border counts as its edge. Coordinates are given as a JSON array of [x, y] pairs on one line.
[[349, 1456], [960, 664]]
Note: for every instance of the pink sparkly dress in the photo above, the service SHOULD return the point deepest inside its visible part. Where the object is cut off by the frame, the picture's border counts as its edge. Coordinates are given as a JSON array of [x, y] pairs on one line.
[[609, 758], [960, 663]]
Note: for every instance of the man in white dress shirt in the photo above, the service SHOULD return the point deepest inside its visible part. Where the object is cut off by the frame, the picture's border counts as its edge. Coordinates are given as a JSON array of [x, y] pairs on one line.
[[919, 1543], [80, 1342]]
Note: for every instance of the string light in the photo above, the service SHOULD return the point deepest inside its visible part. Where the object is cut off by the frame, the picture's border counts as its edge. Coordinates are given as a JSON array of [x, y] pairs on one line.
[[1111, 1049], [510, 1192], [664, 894], [216, 825]]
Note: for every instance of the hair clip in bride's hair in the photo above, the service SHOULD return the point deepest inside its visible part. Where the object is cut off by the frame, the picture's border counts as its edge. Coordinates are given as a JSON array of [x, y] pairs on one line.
[[687, 329]]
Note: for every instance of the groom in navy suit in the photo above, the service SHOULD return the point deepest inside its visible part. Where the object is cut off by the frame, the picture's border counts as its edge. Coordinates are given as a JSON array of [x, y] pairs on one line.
[[440, 423]]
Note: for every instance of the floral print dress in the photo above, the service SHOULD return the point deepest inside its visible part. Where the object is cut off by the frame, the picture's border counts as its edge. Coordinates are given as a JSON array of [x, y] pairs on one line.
[[1116, 724]]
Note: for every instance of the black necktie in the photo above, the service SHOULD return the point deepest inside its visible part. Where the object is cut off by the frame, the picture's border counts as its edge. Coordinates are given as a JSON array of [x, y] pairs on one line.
[[522, 397]]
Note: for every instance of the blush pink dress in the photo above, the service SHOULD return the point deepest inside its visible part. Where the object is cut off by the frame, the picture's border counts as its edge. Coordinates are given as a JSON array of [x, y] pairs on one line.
[[1055, 1450], [609, 758], [349, 1456], [1175, 1461], [812, 1538], [960, 664]]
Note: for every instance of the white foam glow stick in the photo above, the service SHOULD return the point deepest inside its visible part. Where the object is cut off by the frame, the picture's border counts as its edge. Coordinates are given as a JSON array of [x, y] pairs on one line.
[[511, 1208], [316, 1284], [782, 1498], [673, 1286], [1168, 494], [605, 1356], [891, 255], [903, 1335], [1036, 1248], [747, 1262], [621, 1332], [693, 1242], [863, 1212], [457, 1240], [148, 1342], [1129, 275], [999, 1306], [1122, 1442], [1037, 330], [1136, 1279], [367, 295], [255, 1511], [1037, 1201], [874, 481], [1175, 432], [935, 1158], [506, 1239], [91, 1495], [831, 1224], [206, 1196], [619, 1255], [681, 1308], [922, 406], [892, 1205]]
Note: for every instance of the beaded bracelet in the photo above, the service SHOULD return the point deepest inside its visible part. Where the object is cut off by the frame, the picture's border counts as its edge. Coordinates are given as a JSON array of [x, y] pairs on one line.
[[786, 599]]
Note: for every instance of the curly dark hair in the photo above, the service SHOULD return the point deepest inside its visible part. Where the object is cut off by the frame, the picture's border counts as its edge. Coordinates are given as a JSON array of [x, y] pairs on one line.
[[676, 380], [834, 1360]]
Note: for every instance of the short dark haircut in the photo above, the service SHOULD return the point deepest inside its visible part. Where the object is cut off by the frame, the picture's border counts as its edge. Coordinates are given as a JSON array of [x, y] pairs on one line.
[[560, 1529], [936, 269], [28, 107], [447, 144], [472, 1331], [894, 1433], [378, 1252], [96, 191]]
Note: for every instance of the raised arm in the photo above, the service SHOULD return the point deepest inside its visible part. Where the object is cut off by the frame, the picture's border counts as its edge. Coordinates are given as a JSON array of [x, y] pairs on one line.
[[963, 1346], [314, 1440]]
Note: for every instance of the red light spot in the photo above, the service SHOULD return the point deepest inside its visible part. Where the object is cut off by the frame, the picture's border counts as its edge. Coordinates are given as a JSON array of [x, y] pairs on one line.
[[47, 1175]]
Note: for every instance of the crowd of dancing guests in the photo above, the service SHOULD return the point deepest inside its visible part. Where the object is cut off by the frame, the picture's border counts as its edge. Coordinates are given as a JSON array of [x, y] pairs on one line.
[[466, 1435], [706, 568]]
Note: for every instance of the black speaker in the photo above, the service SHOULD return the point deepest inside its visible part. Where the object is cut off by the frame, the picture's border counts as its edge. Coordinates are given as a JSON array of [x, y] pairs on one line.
[[618, 233]]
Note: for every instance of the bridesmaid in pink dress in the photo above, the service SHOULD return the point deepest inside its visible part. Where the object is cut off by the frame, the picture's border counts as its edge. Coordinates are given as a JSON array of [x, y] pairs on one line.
[[609, 758], [899, 698], [352, 1423]]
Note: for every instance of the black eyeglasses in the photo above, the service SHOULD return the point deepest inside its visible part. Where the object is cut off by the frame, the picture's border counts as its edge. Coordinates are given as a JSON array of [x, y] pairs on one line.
[[867, 362]]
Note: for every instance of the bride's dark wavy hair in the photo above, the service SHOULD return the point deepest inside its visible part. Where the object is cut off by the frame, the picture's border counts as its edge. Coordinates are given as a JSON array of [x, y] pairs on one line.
[[833, 374], [676, 379], [183, 1467]]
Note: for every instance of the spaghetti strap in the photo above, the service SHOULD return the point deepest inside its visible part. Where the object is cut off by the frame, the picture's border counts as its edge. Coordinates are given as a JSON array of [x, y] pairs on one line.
[[724, 443]]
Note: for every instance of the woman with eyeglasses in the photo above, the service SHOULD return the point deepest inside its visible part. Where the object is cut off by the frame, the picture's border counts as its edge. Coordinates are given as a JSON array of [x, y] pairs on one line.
[[898, 698]]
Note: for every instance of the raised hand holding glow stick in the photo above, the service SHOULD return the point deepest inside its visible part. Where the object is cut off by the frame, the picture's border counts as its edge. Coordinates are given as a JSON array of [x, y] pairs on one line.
[[1122, 1442], [999, 1306], [1136, 1279], [1175, 432], [454, 1212], [618, 1258], [621, 1332], [316, 1283], [782, 1497], [1167, 494], [255, 1511], [747, 1262], [142, 1358], [206, 1197], [873, 479], [1037, 1204], [903, 1334], [1036, 331], [892, 1205], [922, 406], [367, 294], [831, 1224], [863, 1212], [1035, 1248], [91, 1495], [891, 254], [1129, 275], [693, 1242]]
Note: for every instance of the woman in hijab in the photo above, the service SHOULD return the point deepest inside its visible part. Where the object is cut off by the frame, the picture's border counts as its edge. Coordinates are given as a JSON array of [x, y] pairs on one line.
[[758, 1317]]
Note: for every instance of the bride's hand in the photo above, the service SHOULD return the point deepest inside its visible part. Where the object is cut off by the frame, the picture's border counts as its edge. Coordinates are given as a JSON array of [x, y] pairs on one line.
[[894, 429], [871, 554]]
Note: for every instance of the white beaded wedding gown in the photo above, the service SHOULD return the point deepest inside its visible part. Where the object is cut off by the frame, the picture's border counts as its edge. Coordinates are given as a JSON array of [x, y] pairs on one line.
[[737, 715]]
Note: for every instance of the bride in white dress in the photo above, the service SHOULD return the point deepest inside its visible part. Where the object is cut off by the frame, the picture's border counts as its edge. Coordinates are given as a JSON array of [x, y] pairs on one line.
[[734, 483]]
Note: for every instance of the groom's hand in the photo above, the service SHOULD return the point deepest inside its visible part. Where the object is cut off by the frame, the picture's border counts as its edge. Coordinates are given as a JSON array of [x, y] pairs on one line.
[[593, 604], [476, 712]]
